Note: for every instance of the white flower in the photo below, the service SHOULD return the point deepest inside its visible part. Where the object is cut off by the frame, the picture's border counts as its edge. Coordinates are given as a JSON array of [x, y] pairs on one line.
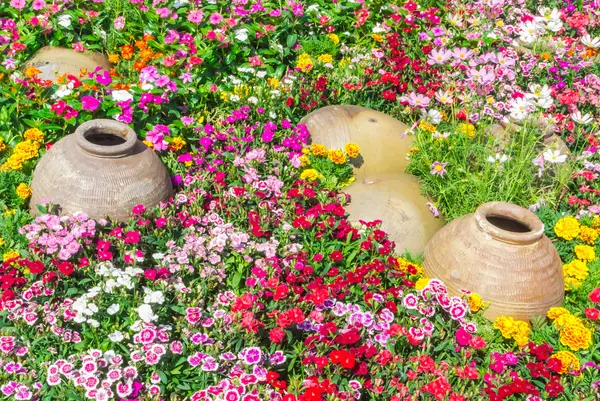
[[551, 17], [444, 97], [153, 297], [261, 74], [121, 96], [378, 28], [530, 32], [434, 116], [592, 43], [312, 7], [180, 3], [158, 256], [582, 119], [93, 322], [147, 86], [241, 34], [64, 90], [519, 109], [499, 158], [554, 156], [116, 337], [146, 314], [64, 20], [273, 114], [114, 308], [252, 99]]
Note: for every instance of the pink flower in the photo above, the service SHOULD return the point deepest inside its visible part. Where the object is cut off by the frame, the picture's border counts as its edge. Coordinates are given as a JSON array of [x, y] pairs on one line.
[[196, 16], [119, 23], [255, 61], [18, 4], [38, 5], [438, 168], [89, 103], [463, 337], [215, 18], [78, 47]]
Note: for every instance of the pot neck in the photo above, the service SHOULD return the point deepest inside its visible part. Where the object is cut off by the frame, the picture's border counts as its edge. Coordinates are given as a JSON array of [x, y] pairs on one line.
[[509, 223], [107, 139]]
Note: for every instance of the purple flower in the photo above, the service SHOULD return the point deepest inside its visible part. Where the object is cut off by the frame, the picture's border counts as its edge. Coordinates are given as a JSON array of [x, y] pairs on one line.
[[438, 168], [89, 103], [176, 180], [434, 210]]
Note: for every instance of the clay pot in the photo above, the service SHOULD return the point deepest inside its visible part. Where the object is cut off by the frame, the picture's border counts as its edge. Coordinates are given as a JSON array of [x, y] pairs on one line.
[[382, 139], [56, 61], [501, 253], [396, 200], [103, 170]]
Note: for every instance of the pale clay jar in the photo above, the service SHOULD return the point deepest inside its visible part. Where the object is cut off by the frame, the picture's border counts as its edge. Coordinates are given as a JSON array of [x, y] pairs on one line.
[[102, 169], [501, 253], [382, 139], [54, 62], [396, 200]]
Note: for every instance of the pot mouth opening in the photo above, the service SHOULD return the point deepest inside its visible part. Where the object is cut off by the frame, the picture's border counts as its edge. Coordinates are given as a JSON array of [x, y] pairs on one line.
[[104, 137], [508, 224]]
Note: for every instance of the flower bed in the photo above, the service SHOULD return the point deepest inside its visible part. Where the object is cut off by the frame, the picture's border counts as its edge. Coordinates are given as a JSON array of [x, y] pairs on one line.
[[250, 283]]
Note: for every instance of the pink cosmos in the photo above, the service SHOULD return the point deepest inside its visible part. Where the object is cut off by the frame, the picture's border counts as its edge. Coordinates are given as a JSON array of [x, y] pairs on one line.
[[438, 168], [89, 103], [439, 56], [215, 18], [196, 16], [418, 100]]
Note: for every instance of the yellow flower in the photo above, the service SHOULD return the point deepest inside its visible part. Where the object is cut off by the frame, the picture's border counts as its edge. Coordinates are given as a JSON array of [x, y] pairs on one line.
[[1, 241], [34, 134], [567, 228], [377, 37], [566, 320], [352, 149], [241, 90], [2, 145], [113, 58], [318, 149], [568, 360], [421, 283], [349, 181], [518, 330], [555, 312], [574, 273], [177, 143], [424, 125], [585, 253], [337, 156], [588, 235], [334, 38], [576, 337], [404, 264], [304, 63], [149, 144], [10, 255], [413, 150], [23, 191], [24, 151], [305, 151], [304, 160], [466, 129], [475, 302], [224, 96], [325, 58], [273, 82], [31, 71], [310, 175]]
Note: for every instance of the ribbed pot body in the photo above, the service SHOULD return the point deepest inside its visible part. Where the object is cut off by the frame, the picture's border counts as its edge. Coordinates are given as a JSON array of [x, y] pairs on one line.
[[381, 138], [56, 61], [95, 180], [518, 271], [396, 200]]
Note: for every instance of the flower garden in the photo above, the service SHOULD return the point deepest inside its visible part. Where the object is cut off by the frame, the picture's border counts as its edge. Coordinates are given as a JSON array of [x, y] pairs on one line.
[[251, 282]]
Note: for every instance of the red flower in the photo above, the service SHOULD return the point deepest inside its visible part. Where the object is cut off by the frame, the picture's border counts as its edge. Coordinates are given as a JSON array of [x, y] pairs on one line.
[[592, 313], [336, 256], [281, 292], [132, 237], [150, 274], [66, 268], [277, 335], [289, 102], [554, 388], [36, 267], [342, 358], [138, 209], [348, 338], [595, 295]]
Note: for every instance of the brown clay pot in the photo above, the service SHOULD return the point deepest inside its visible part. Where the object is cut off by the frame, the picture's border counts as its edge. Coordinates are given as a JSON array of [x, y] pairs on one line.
[[501, 253], [102, 169], [396, 200], [56, 61], [382, 139]]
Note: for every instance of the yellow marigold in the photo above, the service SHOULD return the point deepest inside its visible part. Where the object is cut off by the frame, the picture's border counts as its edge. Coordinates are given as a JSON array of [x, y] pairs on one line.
[[310, 175], [337, 156], [334, 38], [1, 241], [241, 90], [176, 144], [23, 191], [304, 62], [304, 160], [349, 181], [421, 283], [352, 149], [113, 58], [569, 362], [34, 134], [325, 58], [2, 145], [377, 37], [413, 150], [273, 82], [577, 269], [555, 312], [585, 253], [567, 228], [424, 125], [588, 235], [566, 320], [403, 265], [466, 129], [305, 151], [475, 302], [31, 71], [576, 337], [10, 255], [318, 149], [518, 330]]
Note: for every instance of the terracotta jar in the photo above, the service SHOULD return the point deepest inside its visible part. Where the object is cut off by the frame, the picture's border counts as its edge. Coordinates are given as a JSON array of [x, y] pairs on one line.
[[396, 200], [102, 169], [56, 61], [381, 138], [501, 253]]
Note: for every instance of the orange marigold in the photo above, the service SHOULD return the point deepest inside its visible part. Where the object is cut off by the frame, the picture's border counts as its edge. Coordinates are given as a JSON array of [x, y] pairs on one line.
[[576, 337], [127, 52]]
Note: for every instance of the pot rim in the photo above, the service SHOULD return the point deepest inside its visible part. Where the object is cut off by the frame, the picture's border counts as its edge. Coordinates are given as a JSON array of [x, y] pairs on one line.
[[110, 127], [512, 212]]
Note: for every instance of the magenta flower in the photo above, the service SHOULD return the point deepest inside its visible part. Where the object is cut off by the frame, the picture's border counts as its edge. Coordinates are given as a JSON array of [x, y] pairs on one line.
[[89, 103], [103, 78], [438, 168]]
